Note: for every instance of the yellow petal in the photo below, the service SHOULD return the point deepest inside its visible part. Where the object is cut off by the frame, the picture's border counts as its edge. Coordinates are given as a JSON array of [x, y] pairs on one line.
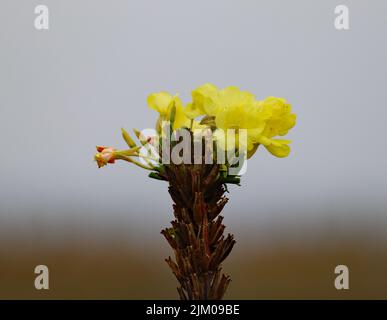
[[203, 101], [279, 148], [192, 111], [160, 102], [181, 120], [252, 151]]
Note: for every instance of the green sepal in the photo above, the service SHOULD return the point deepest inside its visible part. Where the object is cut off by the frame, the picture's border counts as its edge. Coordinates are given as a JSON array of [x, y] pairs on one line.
[[155, 175]]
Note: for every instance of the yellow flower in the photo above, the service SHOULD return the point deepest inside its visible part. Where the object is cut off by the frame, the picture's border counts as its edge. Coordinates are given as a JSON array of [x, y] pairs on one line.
[[281, 120], [163, 103], [231, 108], [239, 110], [202, 101]]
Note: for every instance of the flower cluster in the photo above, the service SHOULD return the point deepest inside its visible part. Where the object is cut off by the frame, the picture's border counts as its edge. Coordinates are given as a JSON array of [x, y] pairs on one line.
[[263, 121], [231, 108]]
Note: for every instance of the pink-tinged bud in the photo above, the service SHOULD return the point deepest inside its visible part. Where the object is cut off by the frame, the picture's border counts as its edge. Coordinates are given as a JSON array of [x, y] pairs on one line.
[[100, 148], [104, 156]]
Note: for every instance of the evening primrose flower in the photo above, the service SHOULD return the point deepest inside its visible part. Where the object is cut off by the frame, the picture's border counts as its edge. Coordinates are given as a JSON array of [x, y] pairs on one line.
[[239, 110], [234, 117], [281, 120], [163, 102], [231, 108]]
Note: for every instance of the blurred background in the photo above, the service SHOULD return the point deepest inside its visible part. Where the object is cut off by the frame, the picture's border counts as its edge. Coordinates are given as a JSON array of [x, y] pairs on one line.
[[69, 88]]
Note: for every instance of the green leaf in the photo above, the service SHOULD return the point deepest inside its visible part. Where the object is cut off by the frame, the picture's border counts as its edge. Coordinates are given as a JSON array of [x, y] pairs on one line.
[[155, 175], [231, 180]]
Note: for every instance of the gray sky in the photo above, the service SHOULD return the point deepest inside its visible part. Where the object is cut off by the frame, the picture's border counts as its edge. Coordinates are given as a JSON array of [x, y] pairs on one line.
[[69, 88]]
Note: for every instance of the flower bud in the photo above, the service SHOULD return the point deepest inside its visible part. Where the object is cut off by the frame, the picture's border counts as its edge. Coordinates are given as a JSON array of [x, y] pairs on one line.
[[129, 141], [104, 156]]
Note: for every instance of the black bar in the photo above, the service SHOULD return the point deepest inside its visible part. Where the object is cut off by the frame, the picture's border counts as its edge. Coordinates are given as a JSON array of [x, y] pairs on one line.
[[166, 309]]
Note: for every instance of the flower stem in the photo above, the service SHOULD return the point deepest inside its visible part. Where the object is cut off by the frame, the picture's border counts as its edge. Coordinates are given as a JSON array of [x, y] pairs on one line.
[[196, 235]]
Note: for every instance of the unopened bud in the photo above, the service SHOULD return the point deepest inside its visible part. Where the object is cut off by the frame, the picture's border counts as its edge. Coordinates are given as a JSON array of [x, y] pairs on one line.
[[127, 138], [104, 156]]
